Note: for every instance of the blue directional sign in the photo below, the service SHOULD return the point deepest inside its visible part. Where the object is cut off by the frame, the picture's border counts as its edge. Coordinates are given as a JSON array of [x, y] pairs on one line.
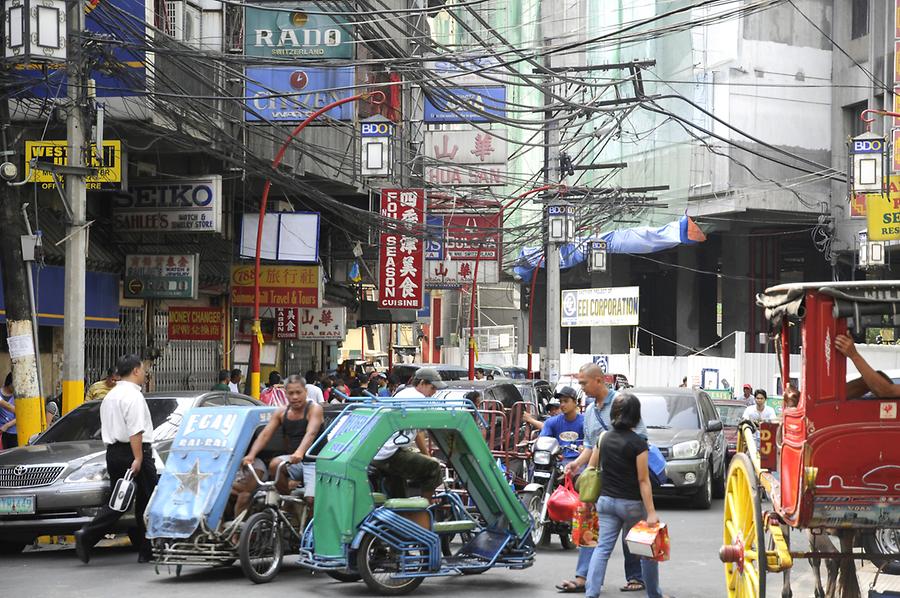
[[455, 104]]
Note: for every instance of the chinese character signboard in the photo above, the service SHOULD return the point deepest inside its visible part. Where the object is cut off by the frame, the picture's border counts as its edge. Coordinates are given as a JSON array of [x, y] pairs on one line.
[[294, 34], [287, 93], [279, 286], [161, 276], [402, 253], [465, 105], [109, 168], [616, 306], [195, 323], [453, 251], [286, 322], [176, 206], [465, 158]]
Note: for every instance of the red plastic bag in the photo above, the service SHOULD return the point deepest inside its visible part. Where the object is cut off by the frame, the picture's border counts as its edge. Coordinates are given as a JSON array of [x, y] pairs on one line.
[[563, 502]]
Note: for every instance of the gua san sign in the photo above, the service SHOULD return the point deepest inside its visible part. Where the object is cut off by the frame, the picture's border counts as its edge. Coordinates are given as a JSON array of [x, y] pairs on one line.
[[296, 33]]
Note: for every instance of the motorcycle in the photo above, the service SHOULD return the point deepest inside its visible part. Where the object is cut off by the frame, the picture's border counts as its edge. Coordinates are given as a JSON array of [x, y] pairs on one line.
[[547, 475]]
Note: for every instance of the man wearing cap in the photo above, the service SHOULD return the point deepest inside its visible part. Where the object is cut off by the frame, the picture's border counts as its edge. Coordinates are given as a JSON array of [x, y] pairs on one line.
[[396, 460], [748, 395], [568, 426], [597, 419]]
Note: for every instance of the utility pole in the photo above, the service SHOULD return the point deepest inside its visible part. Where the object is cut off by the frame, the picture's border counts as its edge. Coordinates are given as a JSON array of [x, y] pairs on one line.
[[551, 161], [20, 333], [76, 245]]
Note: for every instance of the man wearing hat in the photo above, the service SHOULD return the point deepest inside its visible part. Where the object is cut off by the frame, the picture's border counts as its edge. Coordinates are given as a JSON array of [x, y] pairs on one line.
[[568, 426], [396, 459], [748, 395]]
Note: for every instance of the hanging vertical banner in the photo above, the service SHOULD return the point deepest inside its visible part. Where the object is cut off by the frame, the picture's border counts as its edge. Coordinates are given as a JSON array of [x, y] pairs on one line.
[[895, 152], [402, 253], [286, 323]]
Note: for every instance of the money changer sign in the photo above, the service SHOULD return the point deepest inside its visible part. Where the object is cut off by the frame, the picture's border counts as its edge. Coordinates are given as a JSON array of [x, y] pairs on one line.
[[616, 306]]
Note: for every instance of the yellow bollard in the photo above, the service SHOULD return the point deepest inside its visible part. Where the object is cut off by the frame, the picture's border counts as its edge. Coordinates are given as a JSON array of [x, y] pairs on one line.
[[29, 415]]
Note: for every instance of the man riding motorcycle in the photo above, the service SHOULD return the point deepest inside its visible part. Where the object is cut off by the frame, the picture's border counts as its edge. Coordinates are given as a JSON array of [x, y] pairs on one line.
[[568, 426]]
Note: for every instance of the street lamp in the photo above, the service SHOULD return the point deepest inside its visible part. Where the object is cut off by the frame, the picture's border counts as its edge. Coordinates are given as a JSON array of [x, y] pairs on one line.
[[867, 159], [560, 222], [35, 31], [598, 256]]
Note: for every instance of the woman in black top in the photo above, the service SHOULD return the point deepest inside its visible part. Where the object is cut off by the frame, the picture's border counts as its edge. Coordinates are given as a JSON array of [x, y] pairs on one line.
[[625, 495]]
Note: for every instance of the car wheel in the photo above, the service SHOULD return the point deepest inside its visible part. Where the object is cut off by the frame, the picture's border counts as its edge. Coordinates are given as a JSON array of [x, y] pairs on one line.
[[703, 498], [719, 485], [12, 547]]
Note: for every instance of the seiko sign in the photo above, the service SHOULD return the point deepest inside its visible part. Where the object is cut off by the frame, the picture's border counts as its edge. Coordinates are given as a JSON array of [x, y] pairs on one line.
[[170, 206]]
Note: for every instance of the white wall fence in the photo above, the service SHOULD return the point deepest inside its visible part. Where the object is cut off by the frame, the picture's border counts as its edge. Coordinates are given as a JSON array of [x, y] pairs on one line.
[[756, 369]]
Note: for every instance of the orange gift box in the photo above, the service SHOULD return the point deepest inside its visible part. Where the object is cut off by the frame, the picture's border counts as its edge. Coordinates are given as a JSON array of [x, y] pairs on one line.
[[649, 541]]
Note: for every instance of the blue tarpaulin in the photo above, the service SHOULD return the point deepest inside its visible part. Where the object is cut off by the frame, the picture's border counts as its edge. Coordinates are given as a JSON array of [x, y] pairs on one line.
[[642, 239]]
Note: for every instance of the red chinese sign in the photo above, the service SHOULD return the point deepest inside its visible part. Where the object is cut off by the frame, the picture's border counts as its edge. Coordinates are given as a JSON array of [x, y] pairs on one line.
[[466, 234], [402, 253], [286, 322], [195, 324]]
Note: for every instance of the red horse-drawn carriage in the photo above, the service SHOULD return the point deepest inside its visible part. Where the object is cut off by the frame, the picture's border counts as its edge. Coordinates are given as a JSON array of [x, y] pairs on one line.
[[837, 465]]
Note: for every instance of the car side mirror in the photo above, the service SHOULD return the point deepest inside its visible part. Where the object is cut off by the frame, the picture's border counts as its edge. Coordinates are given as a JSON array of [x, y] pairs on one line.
[[714, 425]]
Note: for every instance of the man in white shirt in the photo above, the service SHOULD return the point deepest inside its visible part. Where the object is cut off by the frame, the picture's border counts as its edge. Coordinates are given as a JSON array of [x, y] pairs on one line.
[[234, 385], [126, 429], [396, 460], [314, 393], [759, 411]]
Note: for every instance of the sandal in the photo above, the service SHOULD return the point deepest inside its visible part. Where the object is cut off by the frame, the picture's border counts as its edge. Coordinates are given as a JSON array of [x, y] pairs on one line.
[[570, 587], [633, 585]]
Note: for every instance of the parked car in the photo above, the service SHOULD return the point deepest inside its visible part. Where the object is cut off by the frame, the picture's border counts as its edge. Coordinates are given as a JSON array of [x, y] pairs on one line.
[[684, 424], [730, 412], [403, 372], [515, 372], [59, 482], [538, 392], [491, 370], [491, 390]]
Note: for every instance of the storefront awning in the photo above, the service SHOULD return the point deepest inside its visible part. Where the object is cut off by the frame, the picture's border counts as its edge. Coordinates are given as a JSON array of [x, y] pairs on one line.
[[101, 302]]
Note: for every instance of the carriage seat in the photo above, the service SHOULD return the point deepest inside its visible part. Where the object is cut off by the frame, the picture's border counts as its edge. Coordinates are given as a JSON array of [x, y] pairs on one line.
[[379, 498], [453, 527], [413, 503]]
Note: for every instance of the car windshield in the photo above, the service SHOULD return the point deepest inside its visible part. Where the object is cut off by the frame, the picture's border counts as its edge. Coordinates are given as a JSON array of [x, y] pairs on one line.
[[670, 411], [730, 414], [84, 423]]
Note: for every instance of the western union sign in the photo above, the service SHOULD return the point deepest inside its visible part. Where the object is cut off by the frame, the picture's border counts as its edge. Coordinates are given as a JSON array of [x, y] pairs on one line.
[[109, 166], [615, 306]]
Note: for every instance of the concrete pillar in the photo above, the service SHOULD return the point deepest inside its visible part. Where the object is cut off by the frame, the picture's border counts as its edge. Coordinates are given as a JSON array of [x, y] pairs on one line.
[[612, 339], [687, 324], [736, 289]]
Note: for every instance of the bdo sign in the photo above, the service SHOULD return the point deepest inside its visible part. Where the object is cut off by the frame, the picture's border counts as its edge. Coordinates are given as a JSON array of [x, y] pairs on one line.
[[379, 129]]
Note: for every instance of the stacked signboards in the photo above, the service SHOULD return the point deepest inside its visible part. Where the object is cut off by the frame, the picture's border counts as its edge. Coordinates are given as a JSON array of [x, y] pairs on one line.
[[301, 36]]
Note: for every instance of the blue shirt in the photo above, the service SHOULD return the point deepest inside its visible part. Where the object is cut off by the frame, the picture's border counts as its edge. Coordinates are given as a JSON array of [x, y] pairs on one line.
[[384, 392], [6, 415], [597, 420], [569, 433]]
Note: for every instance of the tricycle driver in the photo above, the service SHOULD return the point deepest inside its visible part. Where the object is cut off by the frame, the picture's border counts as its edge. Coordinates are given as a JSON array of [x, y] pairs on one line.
[[299, 423]]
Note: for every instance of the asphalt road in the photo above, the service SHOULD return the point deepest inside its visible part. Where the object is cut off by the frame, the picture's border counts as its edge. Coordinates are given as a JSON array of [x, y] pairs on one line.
[[693, 572]]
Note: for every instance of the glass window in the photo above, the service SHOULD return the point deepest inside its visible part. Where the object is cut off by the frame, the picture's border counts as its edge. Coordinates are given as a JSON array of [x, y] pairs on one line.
[[706, 407], [859, 18], [214, 401], [84, 423], [731, 414], [240, 401], [670, 411]]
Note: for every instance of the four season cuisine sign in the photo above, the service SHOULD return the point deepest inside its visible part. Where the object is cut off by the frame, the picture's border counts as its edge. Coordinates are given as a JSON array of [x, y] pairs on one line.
[[402, 254], [616, 306]]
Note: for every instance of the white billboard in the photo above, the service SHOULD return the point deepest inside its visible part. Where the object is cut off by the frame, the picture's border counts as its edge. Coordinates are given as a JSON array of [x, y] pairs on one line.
[[465, 158], [614, 306]]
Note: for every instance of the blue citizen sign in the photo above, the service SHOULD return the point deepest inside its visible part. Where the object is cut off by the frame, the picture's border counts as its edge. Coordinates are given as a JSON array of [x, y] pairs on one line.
[[380, 129], [287, 93]]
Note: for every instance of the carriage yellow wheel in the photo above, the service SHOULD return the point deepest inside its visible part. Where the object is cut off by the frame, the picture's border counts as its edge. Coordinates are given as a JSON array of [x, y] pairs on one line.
[[744, 550]]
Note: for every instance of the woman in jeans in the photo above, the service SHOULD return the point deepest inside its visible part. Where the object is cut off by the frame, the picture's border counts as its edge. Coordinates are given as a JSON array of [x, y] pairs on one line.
[[625, 495]]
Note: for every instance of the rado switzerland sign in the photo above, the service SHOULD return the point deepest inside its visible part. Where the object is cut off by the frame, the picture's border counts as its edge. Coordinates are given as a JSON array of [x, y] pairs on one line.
[[294, 33]]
